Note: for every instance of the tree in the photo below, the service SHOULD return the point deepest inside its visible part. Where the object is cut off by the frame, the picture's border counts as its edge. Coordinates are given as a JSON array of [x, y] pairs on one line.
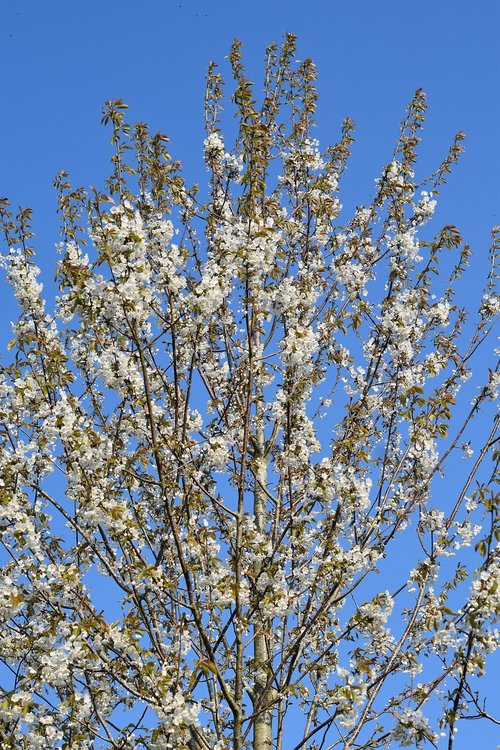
[[222, 517]]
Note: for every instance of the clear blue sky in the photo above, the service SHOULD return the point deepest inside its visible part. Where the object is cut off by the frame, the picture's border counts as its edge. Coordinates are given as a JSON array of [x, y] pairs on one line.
[[61, 59]]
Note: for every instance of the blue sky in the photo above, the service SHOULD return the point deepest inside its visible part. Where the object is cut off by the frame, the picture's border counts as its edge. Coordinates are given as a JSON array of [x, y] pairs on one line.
[[61, 60]]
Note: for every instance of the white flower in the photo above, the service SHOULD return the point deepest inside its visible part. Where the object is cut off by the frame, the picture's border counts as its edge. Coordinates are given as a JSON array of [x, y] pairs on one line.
[[424, 210], [214, 147], [405, 245], [412, 729], [467, 451]]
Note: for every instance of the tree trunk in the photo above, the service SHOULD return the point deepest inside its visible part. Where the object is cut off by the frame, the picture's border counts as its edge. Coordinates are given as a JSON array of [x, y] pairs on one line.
[[262, 698]]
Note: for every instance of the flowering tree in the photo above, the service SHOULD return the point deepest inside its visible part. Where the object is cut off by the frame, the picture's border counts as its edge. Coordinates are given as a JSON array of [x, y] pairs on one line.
[[223, 513]]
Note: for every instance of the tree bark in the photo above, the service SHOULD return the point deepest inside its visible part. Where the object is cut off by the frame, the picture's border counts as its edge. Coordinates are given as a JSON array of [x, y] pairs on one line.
[[262, 696]]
